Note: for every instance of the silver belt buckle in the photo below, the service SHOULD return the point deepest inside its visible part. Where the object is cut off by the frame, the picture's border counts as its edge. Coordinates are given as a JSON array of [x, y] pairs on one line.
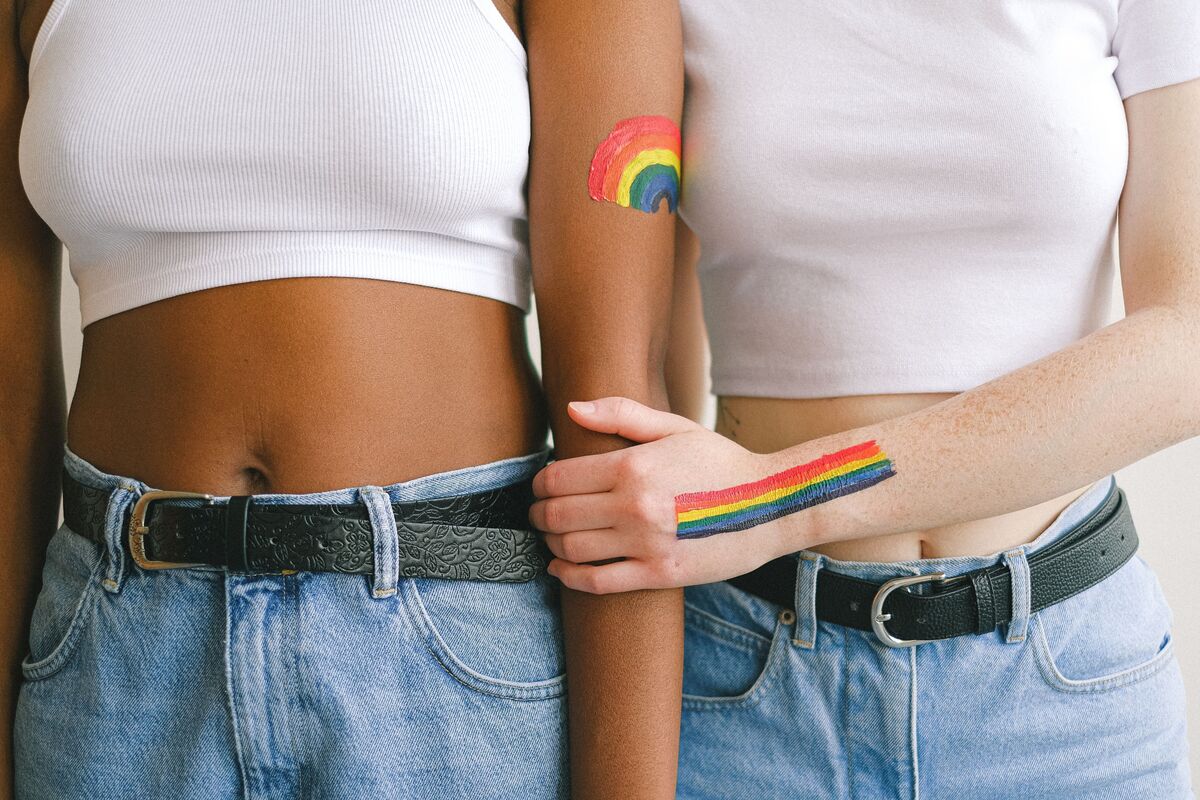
[[138, 528], [878, 618]]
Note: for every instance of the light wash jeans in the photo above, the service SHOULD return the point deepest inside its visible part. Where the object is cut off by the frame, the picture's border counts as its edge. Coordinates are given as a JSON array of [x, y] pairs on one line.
[[1081, 700], [203, 684]]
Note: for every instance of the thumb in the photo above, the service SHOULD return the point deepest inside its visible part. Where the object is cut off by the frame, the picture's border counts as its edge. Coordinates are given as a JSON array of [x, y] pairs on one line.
[[628, 418]]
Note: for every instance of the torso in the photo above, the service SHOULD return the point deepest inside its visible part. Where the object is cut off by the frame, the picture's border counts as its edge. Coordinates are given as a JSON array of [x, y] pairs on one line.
[[302, 384], [767, 424], [896, 203]]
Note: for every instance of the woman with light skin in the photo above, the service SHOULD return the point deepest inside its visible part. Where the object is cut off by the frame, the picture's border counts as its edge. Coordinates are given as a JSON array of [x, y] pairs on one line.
[[910, 572], [305, 235]]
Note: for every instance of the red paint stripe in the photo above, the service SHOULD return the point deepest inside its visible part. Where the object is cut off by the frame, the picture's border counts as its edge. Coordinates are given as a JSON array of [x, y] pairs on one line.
[[622, 134], [789, 477]]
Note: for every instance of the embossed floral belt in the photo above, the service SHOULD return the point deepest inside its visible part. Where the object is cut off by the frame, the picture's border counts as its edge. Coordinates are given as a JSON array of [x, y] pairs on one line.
[[484, 536]]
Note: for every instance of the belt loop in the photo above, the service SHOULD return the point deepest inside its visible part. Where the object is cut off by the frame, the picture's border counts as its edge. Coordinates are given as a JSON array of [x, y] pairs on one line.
[[236, 515], [1018, 567], [115, 533], [807, 570], [387, 543]]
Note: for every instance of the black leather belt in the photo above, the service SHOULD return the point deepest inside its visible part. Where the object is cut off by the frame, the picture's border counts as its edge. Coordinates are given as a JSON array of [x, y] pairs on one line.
[[975, 602], [483, 536]]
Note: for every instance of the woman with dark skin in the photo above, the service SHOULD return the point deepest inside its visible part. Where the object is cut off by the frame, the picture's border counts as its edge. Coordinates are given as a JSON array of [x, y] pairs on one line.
[[263, 387]]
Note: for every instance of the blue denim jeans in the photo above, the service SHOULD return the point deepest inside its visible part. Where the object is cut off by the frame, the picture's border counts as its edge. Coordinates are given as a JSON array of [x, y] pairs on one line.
[[201, 683], [1081, 700]]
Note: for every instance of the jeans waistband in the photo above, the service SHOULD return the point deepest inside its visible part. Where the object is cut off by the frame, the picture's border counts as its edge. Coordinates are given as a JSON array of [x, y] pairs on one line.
[[125, 490]]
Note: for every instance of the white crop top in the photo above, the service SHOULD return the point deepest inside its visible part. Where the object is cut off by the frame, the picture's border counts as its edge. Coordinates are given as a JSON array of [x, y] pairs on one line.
[[178, 145], [913, 196]]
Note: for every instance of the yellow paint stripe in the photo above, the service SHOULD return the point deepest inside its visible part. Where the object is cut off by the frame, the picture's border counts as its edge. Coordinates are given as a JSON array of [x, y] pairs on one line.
[[779, 493], [642, 160]]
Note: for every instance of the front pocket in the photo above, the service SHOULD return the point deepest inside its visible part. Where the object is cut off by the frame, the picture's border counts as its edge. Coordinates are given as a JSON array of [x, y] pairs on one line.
[[500, 639], [731, 643], [65, 604], [1116, 633]]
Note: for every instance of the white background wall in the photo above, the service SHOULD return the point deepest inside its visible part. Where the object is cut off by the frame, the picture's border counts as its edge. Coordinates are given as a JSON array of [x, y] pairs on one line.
[[1163, 490]]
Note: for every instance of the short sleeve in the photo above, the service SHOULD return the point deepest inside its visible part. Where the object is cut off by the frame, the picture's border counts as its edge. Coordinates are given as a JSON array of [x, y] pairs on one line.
[[1157, 43]]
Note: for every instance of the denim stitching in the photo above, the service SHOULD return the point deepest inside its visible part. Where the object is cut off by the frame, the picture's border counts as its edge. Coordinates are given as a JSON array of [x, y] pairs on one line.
[[1105, 683], [743, 638], [753, 695]]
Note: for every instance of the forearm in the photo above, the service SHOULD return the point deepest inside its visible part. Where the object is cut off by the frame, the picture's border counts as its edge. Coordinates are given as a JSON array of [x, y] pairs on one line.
[[1108, 400], [31, 436], [624, 651]]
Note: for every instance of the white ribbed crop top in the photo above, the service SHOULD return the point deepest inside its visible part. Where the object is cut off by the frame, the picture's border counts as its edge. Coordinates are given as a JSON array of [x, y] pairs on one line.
[[178, 145], [910, 195]]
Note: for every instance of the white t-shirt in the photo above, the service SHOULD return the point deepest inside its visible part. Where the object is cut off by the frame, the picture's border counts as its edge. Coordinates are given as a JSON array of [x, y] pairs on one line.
[[910, 195]]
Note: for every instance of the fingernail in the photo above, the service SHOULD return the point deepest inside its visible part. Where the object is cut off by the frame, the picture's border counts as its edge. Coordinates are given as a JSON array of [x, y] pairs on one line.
[[583, 408]]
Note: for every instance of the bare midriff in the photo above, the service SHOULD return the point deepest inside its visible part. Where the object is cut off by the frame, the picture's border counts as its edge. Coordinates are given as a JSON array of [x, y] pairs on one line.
[[767, 424], [303, 385]]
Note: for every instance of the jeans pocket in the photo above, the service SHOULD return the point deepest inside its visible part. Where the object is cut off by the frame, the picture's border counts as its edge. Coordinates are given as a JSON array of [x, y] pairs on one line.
[[731, 644], [1114, 634], [65, 604], [500, 639]]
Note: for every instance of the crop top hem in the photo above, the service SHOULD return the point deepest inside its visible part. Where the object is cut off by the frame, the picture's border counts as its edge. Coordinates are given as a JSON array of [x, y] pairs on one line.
[[494, 281]]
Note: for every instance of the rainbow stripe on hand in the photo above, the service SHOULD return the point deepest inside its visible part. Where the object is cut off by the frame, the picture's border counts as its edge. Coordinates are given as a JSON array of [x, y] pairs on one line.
[[847, 471], [638, 165]]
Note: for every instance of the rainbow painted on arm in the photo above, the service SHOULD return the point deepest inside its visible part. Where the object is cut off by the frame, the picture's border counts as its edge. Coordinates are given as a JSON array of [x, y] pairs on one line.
[[847, 471], [638, 165]]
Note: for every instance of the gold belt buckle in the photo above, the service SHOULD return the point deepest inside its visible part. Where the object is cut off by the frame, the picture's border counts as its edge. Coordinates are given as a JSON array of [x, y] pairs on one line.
[[138, 528]]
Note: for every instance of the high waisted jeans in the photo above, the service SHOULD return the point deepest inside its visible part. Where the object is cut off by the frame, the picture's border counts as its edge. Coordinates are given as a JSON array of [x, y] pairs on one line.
[[201, 684], [1081, 700]]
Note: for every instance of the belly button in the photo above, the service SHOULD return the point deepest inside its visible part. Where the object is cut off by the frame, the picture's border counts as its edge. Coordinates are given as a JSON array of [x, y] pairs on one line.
[[254, 481]]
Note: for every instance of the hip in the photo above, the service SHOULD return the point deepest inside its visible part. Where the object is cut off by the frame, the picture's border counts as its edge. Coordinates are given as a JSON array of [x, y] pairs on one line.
[[273, 683], [1082, 698]]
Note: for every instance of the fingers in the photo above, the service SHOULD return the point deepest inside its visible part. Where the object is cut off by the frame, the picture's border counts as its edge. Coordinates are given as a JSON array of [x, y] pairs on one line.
[[582, 547], [622, 576], [578, 512], [584, 475], [628, 418]]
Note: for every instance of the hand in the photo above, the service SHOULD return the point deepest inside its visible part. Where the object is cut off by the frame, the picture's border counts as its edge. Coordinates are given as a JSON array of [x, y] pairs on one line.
[[621, 505]]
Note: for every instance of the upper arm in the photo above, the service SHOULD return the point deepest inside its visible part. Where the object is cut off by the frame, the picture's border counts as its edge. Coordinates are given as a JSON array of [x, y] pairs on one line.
[[687, 349], [1160, 207], [602, 272], [29, 267]]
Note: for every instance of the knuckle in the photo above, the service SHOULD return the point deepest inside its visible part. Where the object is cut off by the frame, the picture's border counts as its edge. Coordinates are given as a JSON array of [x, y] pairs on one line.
[[569, 548], [600, 583], [550, 480], [646, 509], [635, 469], [552, 515], [669, 571], [661, 547]]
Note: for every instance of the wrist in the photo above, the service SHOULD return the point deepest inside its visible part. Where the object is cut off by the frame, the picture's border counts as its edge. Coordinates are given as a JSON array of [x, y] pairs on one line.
[[793, 532]]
